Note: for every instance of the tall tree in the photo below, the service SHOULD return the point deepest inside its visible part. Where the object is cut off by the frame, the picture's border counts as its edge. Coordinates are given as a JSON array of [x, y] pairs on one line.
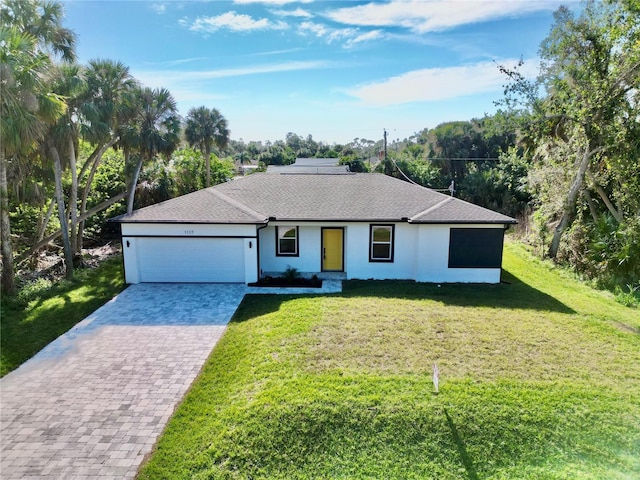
[[32, 32], [157, 127], [23, 114], [205, 128], [43, 21], [107, 111], [591, 66], [61, 143]]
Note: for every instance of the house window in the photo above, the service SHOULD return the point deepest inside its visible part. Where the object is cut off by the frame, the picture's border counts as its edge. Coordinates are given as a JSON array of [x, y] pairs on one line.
[[287, 241], [475, 247], [381, 243]]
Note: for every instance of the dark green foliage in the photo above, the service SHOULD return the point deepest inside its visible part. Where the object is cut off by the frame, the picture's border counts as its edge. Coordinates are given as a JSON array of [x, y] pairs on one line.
[[501, 187], [629, 296], [605, 251], [184, 173], [423, 172], [579, 121], [290, 273], [277, 154], [302, 147], [355, 164], [189, 175], [108, 182], [155, 185], [26, 221]]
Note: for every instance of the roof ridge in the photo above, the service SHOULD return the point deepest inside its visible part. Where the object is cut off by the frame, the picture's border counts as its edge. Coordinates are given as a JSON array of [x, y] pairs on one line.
[[237, 204], [433, 208]]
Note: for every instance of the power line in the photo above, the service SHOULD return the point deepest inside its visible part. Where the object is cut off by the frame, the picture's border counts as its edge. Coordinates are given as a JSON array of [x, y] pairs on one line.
[[465, 159]]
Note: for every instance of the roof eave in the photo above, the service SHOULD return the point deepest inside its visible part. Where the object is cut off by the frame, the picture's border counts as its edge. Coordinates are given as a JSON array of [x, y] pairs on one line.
[[192, 222], [465, 222]]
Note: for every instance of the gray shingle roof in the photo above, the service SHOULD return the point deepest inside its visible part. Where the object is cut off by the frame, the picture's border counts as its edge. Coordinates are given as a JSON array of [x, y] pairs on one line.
[[311, 166], [308, 169], [203, 206], [353, 197]]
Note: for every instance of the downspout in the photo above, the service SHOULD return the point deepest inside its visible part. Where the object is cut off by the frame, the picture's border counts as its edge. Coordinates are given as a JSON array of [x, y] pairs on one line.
[[505, 227], [258, 245]]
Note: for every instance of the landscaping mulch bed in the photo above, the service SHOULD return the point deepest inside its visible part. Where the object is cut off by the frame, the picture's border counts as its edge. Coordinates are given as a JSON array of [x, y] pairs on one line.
[[313, 282]]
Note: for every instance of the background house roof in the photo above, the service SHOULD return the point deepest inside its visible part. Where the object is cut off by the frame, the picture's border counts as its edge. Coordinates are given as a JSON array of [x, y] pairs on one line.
[[260, 197], [311, 166], [308, 169], [316, 162]]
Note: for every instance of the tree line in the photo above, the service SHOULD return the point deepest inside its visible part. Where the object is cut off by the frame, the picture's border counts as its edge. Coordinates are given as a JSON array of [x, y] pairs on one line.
[[563, 151], [562, 154], [53, 109]]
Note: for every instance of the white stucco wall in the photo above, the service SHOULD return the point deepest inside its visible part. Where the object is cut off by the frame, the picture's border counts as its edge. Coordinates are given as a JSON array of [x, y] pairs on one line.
[[421, 253], [432, 263], [309, 245]]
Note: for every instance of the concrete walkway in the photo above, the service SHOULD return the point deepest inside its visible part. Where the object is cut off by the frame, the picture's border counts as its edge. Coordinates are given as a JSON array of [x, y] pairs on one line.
[[93, 402]]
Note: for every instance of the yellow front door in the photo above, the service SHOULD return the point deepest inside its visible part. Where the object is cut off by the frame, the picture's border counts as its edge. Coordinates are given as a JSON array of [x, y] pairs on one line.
[[332, 249]]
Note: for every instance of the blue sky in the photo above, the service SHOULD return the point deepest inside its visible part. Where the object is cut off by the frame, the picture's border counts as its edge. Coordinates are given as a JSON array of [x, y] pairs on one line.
[[335, 70]]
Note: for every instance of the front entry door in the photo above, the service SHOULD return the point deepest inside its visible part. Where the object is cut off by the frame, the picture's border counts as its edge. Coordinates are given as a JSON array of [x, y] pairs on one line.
[[332, 249]]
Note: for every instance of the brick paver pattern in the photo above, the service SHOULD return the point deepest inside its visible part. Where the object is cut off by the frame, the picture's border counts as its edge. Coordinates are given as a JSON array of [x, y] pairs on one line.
[[93, 403]]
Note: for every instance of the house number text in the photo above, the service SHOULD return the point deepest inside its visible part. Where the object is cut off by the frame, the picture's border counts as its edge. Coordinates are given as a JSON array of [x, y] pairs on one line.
[[188, 232]]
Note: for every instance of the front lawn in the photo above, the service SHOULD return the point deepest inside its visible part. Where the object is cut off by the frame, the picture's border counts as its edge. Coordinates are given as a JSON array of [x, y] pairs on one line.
[[27, 328], [540, 379]]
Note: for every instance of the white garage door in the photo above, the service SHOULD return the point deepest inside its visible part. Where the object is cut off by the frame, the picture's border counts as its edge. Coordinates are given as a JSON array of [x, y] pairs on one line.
[[191, 259]]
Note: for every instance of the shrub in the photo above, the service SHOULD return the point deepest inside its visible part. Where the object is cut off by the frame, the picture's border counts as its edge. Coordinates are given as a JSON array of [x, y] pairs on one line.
[[630, 298], [291, 273], [34, 290]]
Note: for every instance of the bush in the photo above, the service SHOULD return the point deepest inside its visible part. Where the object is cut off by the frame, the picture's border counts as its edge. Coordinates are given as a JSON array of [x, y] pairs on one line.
[[290, 273], [614, 250], [34, 290], [628, 299]]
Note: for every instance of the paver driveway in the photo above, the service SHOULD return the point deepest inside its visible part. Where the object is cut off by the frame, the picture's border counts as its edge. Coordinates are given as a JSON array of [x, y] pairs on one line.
[[93, 402]]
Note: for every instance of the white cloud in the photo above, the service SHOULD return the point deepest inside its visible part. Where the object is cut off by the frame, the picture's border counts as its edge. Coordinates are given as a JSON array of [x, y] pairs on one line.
[[435, 84], [159, 8], [351, 36], [181, 61], [322, 31], [232, 21], [365, 37], [427, 16], [168, 77], [277, 52], [298, 12]]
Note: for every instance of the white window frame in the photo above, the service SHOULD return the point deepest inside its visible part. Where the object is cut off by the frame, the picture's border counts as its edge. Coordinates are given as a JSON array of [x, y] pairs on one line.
[[372, 243], [280, 235]]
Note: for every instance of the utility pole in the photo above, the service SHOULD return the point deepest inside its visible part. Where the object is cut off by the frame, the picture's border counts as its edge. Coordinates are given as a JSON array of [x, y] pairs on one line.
[[385, 146]]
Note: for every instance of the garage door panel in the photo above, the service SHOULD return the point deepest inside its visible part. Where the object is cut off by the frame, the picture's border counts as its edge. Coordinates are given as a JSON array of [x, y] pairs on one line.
[[191, 259]]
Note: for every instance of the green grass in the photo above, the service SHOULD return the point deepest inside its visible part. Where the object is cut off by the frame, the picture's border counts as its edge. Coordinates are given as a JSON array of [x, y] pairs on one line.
[[28, 326], [540, 379]]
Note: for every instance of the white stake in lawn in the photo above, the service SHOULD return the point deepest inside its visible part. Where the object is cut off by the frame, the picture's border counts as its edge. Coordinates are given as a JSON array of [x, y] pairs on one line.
[[436, 378]]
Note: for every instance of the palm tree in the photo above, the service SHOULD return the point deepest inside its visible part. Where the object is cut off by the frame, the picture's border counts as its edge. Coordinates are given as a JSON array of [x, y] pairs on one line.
[[62, 139], [30, 30], [26, 106], [43, 21], [158, 128], [105, 108], [206, 128]]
